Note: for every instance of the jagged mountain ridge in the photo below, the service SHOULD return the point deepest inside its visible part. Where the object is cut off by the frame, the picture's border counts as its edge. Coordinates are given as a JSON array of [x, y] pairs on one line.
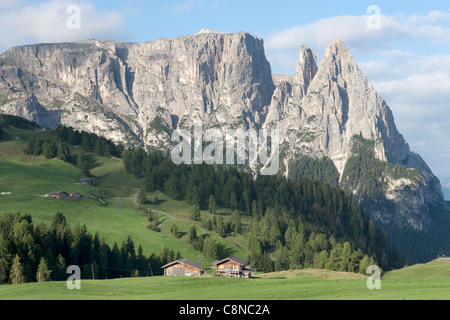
[[141, 92]]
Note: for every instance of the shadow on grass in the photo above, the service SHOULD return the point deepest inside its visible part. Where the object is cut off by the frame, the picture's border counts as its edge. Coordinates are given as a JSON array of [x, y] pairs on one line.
[[156, 201], [90, 158], [224, 252]]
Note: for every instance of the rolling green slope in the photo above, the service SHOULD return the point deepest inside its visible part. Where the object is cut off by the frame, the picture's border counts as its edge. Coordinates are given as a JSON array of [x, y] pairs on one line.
[[289, 285], [436, 269], [30, 181]]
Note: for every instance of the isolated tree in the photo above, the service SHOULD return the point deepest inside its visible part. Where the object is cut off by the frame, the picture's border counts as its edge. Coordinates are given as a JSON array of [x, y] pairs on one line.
[[43, 273], [174, 230], [194, 212], [16, 275], [142, 198], [192, 235], [210, 248]]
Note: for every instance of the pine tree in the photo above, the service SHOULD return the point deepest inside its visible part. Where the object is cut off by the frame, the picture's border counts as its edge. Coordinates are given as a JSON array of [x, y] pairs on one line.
[[49, 149], [60, 270], [142, 198], [174, 230], [16, 275], [194, 212], [210, 248], [365, 263], [43, 273], [192, 235], [320, 259], [63, 152]]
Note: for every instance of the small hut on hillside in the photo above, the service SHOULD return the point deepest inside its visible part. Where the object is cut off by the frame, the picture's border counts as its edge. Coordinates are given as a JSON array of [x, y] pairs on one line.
[[183, 267]]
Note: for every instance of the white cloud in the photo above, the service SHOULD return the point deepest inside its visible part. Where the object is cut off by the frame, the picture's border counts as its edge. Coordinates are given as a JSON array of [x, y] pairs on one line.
[[416, 87], [433, 28], [415, 84], [47, 22], [7, 4], [350, 29]]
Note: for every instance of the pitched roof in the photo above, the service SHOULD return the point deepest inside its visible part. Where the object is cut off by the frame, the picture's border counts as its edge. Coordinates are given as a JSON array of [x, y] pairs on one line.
[[57, 192], [186, 262], [232, 258]]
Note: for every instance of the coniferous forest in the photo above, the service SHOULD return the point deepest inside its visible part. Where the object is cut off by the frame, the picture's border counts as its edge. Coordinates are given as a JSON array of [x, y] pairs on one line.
[[288, 223], [30, 253], [295, 223]]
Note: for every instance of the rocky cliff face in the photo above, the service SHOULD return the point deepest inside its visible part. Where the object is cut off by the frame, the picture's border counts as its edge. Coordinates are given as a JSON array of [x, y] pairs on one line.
[[140, 92], [318, 113]]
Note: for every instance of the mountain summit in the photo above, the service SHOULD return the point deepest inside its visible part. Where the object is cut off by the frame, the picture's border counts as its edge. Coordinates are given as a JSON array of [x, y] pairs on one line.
[[332, 124]]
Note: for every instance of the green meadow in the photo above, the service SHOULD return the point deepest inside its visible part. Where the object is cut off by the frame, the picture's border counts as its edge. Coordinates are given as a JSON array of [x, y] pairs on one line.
[[29, 181], [412, 283]]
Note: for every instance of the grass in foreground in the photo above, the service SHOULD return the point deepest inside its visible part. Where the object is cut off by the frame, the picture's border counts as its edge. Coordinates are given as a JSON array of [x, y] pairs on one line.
[[289, 285]]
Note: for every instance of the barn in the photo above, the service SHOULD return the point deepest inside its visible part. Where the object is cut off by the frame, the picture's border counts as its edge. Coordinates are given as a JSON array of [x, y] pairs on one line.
[[58, 195], [233, 267], [88, 181], [183, 267], [75, 195]]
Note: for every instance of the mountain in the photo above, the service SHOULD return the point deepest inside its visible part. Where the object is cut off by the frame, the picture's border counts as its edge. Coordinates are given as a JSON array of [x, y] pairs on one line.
[[139, 91], [332, 124], [325, 113]]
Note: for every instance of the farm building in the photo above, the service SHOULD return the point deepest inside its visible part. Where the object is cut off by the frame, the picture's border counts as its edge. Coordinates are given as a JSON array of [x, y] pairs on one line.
[[87, 181], [74, 195], [183, 267], [233, 267], [58, 195]]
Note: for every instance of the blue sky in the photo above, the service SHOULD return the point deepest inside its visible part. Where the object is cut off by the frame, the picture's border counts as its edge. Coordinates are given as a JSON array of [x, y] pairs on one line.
[[407, 59]]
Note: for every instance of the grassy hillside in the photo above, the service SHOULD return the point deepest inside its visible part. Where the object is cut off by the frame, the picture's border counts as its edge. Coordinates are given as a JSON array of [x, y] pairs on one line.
[[287, 285], [29, 183], [437, 269]]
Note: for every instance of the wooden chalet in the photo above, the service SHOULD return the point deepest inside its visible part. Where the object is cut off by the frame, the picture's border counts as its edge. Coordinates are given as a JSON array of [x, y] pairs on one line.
[[87, 181], [58, 195], [183, 267], [233, 267], [74, 195]]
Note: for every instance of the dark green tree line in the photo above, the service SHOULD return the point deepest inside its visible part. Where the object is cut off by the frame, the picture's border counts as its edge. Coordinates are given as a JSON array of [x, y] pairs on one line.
[[31, 253], [273, 204]]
